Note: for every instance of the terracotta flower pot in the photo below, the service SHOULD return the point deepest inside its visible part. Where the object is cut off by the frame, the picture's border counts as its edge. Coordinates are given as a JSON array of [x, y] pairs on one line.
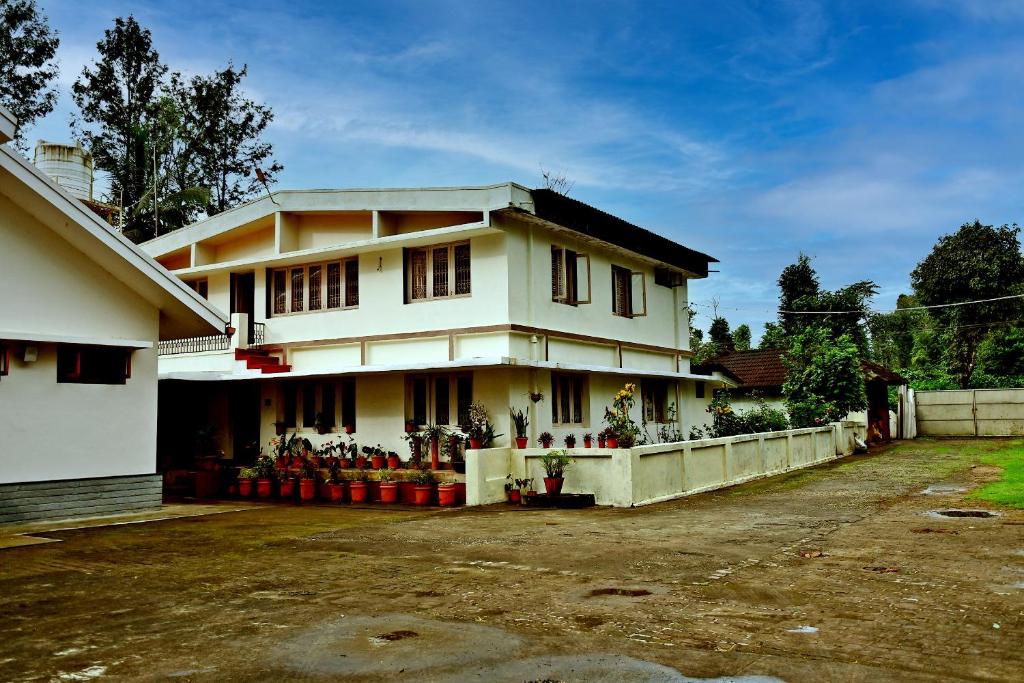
[[344, 463], [349, 429], [394, 462], [521, 441], [336, 492], [263, 488], [613, 442], [410, 427], [570, 444], [435, 455], [545, 444], [357, 492], [476, 444], [287, 488], [378, 462], [553, 485], [245, 487], [601, 443], [423, 493], [588, 443], [446, 495], [388, 492], [360, 461], [515, 497], [307, 489]]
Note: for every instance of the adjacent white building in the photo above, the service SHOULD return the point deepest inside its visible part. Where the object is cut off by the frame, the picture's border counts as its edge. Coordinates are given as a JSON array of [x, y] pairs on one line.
[[371, 308], [83, 314]]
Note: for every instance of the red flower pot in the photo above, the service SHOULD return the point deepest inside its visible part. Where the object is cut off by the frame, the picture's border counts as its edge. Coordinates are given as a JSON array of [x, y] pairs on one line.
[[545, 444], [515, 497], [245, 487], [388, 492], [349, 429], [601, 443], [394, 462], [476, 444], [553, 485], [613, 442], [287, 488], [344, 463], [423, 494], [307, 489], [378, 462], [263, 488], [360, 462], [446, 495], [587, 443], [406, 492], [336, 492], [521, 441], [410, 427], [357, 492], [435, 455], [570, 444]]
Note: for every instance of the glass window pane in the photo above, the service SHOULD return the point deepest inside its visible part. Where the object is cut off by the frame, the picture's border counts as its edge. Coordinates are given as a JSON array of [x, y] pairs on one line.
[[280, 294], [352, 282], [315, 300], [577, 400], [333, 285], [440, 287], [298, 289], [462, 269], [418, 274], [441, 401]]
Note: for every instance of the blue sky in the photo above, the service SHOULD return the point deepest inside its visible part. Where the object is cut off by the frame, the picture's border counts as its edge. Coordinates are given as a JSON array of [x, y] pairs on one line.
[[857, 132]]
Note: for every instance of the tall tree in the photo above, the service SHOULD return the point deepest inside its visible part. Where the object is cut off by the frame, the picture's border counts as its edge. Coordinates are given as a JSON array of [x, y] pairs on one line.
[[118, 99], [977, 262], [224, 131], [893, 334], [27, 68], [824, 381], [720, 336], [773, 337], [797, 282], [741, 337]]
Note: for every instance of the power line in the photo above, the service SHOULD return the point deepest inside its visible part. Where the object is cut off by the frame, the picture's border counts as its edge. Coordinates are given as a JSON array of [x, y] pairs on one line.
[[867, 311]]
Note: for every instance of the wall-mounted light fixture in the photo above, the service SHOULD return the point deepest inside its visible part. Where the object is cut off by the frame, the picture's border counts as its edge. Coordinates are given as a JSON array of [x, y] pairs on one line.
[[31, 354]]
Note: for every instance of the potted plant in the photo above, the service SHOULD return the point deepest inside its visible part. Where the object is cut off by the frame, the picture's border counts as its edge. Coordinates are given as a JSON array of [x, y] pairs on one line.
[[424, 481], [410, 426], [335, 488], [621, 428], [512, 490], [446, 494], [350, 429], [437, 435], [358, 488], [378, 457], [360, 460], [477, 425], [520, 421], [264, 476], [307, 484], [525, 487], [570, 441], [246, 475], [588, 440], [545, 439], [394, 462], [610, 439], [388, 486], [602, 438], [415, 441], [554, 463], [286, 485]]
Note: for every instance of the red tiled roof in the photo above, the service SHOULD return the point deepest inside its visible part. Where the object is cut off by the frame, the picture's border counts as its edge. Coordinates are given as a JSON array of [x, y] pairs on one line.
[[763, 369]]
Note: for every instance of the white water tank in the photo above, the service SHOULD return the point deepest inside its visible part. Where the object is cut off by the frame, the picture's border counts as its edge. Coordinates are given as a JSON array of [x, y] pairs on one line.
[[70, 166]]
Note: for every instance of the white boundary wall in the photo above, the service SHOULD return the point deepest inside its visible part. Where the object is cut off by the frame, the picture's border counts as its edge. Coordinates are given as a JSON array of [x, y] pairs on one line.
[[650, 474]]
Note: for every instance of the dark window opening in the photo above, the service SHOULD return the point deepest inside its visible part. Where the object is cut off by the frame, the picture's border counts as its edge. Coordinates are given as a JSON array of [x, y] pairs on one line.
[[348, 403], [441, 401], [93, 365]]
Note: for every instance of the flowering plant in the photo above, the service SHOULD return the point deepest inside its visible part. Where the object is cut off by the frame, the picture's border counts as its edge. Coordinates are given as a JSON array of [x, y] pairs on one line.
[[620, 423], [478, 422]]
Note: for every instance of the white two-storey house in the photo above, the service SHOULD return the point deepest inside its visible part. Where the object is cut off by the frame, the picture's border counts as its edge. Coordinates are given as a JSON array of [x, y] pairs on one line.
[[371, 308]]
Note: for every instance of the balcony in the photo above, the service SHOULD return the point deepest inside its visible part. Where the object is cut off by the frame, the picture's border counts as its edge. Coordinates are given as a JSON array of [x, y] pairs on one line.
[[213, 342]]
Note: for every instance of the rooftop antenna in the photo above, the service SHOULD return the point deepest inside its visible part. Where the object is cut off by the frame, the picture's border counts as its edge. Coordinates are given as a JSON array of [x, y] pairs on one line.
[[262, 177]]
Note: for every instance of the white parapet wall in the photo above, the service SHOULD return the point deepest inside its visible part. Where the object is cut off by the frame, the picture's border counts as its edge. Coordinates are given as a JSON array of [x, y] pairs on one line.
[[643, 475]]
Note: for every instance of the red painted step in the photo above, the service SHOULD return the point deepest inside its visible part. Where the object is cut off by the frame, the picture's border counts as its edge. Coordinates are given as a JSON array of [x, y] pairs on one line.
[[272, 369]]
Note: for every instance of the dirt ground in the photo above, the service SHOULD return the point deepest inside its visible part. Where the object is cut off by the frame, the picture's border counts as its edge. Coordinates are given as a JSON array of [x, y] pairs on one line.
[[832, 573]]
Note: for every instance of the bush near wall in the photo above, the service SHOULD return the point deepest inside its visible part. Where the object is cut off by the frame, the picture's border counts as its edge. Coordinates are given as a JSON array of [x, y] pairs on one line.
[[725, 421]]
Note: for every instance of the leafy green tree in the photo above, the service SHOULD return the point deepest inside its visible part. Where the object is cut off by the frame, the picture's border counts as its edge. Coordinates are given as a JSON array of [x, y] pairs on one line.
[[977, 262], [720, 335], [117, 97], [773, 337], [27, 67], [1001, 353], [741, 337], [824, 381], [797, 283], [224, 133]]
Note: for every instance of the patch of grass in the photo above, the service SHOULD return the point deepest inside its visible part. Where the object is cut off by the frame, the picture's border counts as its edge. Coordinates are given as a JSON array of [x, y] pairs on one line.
[[1009, 490]]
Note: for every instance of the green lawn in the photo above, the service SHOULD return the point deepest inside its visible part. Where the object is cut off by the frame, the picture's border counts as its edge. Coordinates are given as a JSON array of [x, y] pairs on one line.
[[1009, 490]]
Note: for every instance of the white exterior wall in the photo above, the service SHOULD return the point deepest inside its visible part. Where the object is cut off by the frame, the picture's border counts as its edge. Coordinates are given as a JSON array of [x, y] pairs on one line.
[[67, 431]]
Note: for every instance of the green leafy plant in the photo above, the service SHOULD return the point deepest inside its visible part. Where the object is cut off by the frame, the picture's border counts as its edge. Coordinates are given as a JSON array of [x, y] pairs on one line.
[[386, 475], [824, 381], [264, 467], [570, 440], [555, 462], [423, 477], [545, 439], [520, 421], [250, 473], [619, 417]]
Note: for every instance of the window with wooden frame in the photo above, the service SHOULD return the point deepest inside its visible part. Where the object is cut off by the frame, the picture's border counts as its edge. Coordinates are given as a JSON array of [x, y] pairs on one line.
[[434, 399], [93, 364], [200, 287], [315, 287], [570, 276], [568, 393], [629, 292], [309, 400], [438, 272], [654, 393]]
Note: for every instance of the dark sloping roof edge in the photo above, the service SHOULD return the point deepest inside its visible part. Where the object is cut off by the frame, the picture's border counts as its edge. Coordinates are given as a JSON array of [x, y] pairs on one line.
[[764, 369], [593, 222]]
